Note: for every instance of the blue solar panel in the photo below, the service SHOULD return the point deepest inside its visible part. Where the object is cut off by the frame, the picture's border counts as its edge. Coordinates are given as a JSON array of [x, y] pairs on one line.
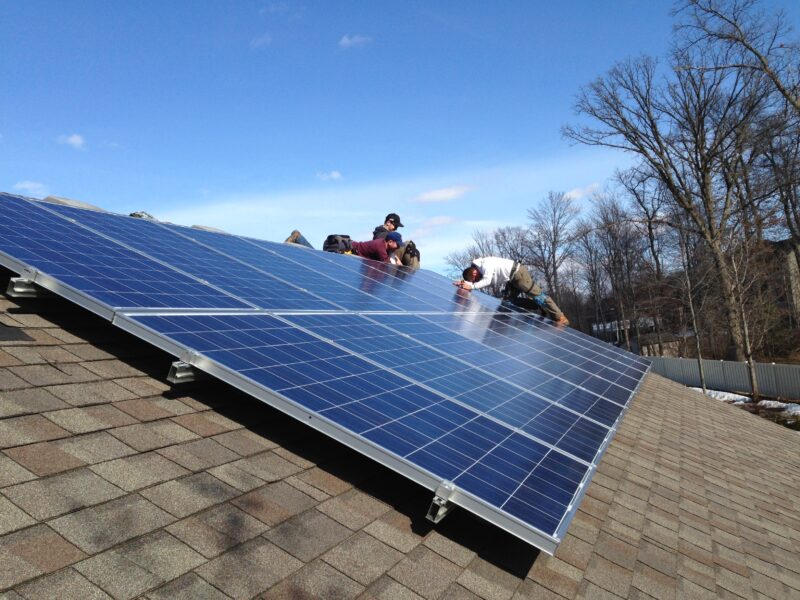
[[516, 373], [254, 285], [503, 465], [403, 288], [102, 269], [440, 384]]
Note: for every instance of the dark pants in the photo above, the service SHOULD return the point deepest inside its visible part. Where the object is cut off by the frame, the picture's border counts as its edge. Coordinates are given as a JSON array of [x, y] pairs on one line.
[[524, 292]]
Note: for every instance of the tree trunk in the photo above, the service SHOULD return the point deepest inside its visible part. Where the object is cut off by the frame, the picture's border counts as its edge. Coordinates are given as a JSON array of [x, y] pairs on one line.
[[698, 345], [728, 290], [693, 315], [621, 323]]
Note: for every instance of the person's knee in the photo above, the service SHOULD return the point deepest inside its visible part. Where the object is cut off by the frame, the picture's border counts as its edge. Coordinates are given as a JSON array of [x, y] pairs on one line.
[[540, 298]]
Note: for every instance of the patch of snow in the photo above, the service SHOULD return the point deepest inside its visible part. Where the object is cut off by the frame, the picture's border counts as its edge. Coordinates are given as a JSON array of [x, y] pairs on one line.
[[772, 405], [788, 408], [726, 396]]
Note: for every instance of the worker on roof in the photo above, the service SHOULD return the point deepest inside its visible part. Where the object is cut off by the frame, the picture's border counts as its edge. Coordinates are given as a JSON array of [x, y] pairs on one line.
[[379, 249], [390, 223], [297, 238], [515, 279]]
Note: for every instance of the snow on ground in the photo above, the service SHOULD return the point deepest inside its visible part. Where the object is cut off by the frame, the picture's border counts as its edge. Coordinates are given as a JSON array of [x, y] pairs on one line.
[[790, 409], [726, 396]]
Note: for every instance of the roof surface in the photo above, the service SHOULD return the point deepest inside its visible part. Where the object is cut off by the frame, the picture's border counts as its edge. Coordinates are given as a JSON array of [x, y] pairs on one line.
[[113, 484]]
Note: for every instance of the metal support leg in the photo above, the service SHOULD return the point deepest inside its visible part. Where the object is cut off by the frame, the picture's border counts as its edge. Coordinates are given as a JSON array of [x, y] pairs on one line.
[[181, 372], [441, 504], [22, 287]]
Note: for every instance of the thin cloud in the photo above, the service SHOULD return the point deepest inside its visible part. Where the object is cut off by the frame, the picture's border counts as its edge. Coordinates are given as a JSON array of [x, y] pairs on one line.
[[428, 227], [34, 188], [75, 140], [329, 176], [274, 8], [260, 41], [578, 193], [447, 194], [354, 41]]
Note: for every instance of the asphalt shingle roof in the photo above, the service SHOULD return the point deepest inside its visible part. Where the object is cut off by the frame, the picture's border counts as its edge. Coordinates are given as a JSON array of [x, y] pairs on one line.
[[115, 485]]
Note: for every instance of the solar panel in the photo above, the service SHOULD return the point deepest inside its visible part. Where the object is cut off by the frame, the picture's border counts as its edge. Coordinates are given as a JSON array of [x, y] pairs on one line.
[[256, 286], [78, 260], [489, 453], [352, 284], [499, 412]]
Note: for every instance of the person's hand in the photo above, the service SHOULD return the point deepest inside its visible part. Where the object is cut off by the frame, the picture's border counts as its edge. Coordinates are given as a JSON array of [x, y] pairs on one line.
[[464, 285]]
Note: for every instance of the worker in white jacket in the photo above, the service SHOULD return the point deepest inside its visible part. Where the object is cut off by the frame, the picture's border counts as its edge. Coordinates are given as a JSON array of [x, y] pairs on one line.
[[519, 286]]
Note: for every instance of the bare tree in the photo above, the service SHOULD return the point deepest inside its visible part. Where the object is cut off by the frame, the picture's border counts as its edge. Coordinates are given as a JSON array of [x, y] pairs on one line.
[[649, 203], [620, 253], [483, 244], [513, 243], [682, 129], [551, 236], [751, 39], [588, 254], [686, 271], [782, 162]]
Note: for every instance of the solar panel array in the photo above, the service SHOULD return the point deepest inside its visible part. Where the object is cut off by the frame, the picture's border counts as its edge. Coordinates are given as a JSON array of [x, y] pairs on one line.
[[507, 410]]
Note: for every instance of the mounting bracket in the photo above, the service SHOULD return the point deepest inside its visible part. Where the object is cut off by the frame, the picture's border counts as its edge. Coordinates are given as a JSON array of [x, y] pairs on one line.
[[184, 370], [22, 287], [441, 504], [181, 372]]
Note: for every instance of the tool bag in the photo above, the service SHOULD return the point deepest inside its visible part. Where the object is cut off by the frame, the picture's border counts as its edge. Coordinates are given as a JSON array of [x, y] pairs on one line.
[[337, 243]]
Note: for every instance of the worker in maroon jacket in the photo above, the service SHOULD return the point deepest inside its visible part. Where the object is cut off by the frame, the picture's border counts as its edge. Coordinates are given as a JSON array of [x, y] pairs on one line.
[[378, 249]]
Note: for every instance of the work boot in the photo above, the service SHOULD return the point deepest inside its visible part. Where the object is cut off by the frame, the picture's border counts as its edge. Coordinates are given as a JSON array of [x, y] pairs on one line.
[[562, 321], [292, 239]]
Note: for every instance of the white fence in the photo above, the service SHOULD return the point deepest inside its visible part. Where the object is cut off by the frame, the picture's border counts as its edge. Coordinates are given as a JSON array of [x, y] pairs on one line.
[[774, 380]]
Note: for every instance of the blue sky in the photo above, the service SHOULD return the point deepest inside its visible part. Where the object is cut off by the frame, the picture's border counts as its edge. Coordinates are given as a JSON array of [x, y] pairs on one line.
[[260, 117]]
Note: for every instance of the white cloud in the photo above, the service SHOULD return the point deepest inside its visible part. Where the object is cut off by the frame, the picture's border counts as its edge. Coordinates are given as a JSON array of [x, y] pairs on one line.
[[329, 176], [34, 188], [260, 41], [75, 140], [354, 41], [442, 195], [578, 193]]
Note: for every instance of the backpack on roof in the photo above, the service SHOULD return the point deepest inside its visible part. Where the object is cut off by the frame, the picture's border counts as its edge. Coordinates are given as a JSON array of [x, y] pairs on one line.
[[340, 244], [409, 255]]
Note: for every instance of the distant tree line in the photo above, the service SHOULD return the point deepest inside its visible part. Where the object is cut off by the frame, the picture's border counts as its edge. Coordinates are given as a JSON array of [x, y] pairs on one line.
[[691, 238]]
